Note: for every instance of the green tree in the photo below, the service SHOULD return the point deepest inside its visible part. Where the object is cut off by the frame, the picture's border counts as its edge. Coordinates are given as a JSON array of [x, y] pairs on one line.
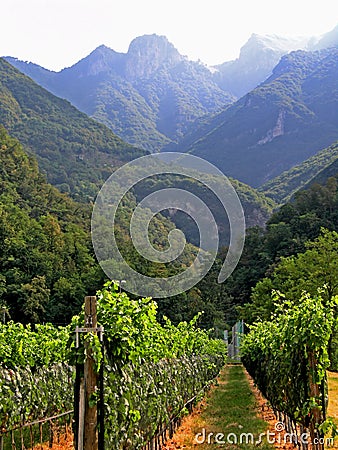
[[317, 268], [35, 297]]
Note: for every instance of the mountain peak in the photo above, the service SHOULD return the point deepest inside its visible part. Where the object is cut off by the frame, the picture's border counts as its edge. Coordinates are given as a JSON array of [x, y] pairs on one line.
[[147, 53], [152, 41], [277, 44], [327, 40], [102, 59]]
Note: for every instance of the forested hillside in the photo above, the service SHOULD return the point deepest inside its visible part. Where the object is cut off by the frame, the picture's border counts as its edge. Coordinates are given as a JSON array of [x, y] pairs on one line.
[[46, 262], [318, 168], [76, 153], [256, 206], [281, 123], [148, 96], [286, 234]]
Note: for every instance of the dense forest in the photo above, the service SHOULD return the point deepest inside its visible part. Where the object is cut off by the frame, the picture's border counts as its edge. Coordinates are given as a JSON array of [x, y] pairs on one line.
[[47, 261], [48, 266], [294, 231]]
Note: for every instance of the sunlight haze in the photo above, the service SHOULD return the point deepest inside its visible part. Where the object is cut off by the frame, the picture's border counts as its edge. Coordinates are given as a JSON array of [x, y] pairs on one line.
[[56, 34]]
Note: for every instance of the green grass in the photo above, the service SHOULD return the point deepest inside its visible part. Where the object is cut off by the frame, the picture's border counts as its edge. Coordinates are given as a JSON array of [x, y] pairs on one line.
[[229, 409]]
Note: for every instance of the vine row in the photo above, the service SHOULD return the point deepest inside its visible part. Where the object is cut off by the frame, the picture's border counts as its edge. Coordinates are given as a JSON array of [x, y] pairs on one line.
[[288, 358]]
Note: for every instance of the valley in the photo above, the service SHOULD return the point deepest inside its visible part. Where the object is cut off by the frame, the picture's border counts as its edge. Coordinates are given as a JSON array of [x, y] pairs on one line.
[[247, 153]]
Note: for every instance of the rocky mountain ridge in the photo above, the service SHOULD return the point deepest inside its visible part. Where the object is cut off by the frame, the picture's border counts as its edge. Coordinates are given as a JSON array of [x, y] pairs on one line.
[[286, 120], [152, 94], [148, 96]]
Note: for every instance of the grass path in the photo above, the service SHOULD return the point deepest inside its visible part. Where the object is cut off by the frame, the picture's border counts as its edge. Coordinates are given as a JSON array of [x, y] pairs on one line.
[[230, 409]]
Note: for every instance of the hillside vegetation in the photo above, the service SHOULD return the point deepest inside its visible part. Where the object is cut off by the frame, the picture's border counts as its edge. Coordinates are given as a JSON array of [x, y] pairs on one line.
[[318, 168], [148, 96], [76, 153], [281, 123], [46, 262]]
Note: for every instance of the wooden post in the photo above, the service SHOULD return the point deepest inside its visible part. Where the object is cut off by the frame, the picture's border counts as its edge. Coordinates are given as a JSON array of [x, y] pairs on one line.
[[90, 441], [81, 416], [316, 413]]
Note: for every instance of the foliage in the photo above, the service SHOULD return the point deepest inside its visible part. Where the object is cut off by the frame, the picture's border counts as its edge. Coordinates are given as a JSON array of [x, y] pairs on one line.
[[140, 399], [75, 152], [35, 379], [20, 346], [28, 395], [132, 332], [285, 120], [46, 262], [285, 235], [317, 268], [151, 370], [288, 356]]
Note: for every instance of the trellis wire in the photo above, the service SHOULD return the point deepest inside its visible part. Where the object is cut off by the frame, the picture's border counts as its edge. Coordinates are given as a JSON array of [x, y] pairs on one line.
[[30, 425]]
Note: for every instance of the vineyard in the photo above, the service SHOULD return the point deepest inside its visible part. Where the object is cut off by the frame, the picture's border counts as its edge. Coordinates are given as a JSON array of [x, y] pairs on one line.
[[288, 358], [151, 372]]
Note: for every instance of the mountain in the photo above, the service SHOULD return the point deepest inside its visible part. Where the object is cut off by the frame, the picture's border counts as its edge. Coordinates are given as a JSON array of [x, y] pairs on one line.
[[75, 152], [318, 168], [255, 63], [260, 55], [152, 94], [281, 123], [148, 96], [328, 40]]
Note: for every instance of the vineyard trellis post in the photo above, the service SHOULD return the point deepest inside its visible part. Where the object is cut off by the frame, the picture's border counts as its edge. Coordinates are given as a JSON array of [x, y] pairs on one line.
[[317, 412], [90, 441], [86, 388]]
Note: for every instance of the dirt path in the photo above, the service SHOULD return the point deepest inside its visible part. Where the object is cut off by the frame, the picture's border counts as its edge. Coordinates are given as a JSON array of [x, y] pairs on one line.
[[233, 408]]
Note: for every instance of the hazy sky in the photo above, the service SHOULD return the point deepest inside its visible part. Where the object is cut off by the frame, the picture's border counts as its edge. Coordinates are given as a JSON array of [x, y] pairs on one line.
[[57, 33]]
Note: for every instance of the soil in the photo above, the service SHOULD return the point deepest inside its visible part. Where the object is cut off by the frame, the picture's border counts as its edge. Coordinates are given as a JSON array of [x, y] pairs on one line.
[[186, 430]]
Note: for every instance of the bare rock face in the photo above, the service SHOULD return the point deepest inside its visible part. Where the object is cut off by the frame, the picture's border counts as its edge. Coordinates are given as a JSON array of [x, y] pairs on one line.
[[277, 130], [146, 54]]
